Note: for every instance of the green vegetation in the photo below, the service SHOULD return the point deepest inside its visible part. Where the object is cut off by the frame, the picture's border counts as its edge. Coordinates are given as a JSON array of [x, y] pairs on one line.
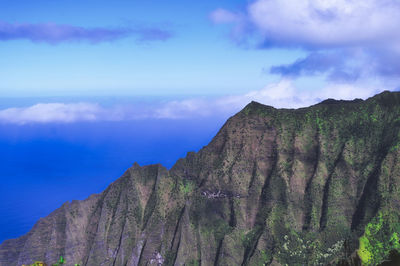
[[309, 248], [220, 229], [36, 263], [395, 147], [265, 257], [249, 238], [193, 263], [293, 250], [170, 257], [186, 187], [380, 237], [319, 123], [60, 261]]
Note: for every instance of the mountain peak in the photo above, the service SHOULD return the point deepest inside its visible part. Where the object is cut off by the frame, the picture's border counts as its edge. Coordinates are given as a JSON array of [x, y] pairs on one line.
[[287, 186], [330, 101]]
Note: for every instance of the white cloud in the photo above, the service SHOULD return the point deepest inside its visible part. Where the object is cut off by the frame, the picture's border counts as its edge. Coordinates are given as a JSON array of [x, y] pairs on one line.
[[57, 112], [77, 112], [348, 40], [283, 94], [182, 109], [327, 23]]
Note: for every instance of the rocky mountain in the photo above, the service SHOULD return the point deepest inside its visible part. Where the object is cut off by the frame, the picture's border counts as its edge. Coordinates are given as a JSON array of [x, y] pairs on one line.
[[310, 186]]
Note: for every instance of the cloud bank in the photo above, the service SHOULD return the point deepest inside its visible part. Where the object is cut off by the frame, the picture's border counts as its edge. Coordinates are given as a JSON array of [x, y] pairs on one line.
[[280, 95], [57, 33], [320, 23], [333, 64], [52, 112], [346, 40]]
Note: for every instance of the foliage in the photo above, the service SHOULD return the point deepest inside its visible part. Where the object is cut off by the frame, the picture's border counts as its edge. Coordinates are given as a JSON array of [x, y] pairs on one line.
[[60, 261], [293, 249], [220, 229], [36, 263], [319, 122], [186, 187], [309, 248], [330, 253], [395, 147], [170, 257], [380, 237], [193, 263], [265, 257], [248, 238]]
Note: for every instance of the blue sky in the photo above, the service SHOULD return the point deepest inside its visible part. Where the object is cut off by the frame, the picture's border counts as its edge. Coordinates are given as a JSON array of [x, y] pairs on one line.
[[337, 49], [195, 57]]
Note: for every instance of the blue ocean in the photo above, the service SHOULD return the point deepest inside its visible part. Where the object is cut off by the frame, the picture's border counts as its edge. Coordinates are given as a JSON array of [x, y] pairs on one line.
[[44, 165]]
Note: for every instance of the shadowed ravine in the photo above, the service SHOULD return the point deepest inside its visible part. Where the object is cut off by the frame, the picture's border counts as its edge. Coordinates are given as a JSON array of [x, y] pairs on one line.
[[274, 186]]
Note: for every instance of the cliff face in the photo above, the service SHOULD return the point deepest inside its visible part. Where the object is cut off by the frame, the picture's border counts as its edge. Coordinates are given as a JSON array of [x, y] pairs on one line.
[[275, 186]]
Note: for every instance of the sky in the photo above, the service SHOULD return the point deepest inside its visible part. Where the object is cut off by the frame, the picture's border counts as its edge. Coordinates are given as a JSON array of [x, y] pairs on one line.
[[89, 87], [121, 48], [278, 52]]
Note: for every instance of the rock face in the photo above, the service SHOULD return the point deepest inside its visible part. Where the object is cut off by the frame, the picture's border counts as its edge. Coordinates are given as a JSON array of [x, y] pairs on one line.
[[274, 186]]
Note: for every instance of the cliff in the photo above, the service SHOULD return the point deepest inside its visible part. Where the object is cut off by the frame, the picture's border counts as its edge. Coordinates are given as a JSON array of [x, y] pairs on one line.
[[307, 186]]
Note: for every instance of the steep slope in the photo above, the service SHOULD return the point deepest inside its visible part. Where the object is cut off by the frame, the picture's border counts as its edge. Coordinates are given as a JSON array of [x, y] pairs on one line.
[[274, 186]]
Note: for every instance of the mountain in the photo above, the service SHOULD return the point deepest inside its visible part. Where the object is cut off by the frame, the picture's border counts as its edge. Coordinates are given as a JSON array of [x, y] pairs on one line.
[[310, 186]]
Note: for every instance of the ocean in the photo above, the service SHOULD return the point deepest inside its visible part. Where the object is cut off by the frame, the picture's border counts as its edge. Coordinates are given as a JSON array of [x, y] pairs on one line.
[[44, 165]]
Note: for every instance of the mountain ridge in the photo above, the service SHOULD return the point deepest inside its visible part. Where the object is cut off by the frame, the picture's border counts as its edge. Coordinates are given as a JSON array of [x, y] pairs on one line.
[[270, 182]]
